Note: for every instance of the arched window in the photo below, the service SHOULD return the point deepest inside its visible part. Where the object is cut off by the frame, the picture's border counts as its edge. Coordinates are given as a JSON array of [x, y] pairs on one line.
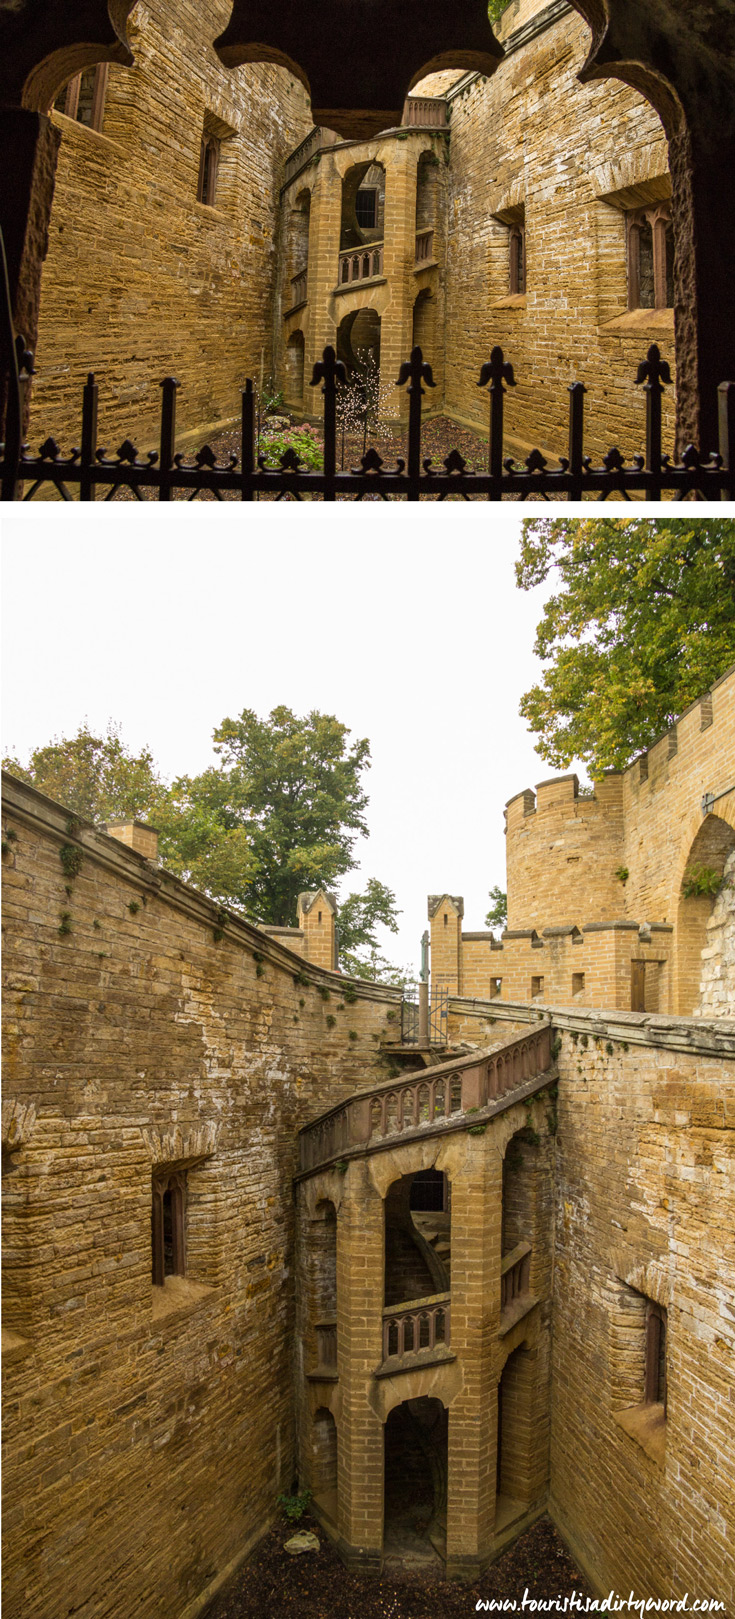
[[651, 258], [83, 98]]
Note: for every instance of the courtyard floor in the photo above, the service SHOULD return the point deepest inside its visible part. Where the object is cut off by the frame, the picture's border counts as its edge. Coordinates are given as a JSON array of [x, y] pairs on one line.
[[273, 1584]]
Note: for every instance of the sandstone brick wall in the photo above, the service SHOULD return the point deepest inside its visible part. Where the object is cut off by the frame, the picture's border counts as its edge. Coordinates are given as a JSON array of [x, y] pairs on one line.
[[533, 136], [142, 281], [645, 1205], [149, 1430]]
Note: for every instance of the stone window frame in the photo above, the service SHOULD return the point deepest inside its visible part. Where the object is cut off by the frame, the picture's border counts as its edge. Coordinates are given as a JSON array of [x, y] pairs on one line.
[[537, 978], [655, 1378], [70, 108], [173, 1182], [658, 216], [639, 1299]]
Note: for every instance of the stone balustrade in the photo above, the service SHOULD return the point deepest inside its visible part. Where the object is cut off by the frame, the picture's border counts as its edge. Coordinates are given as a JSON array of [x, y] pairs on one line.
[[424, 245], [436, 1098], [515, 1271], [298, 288], [425, 112], [416, 1324], [326, 1346], [360, 264]]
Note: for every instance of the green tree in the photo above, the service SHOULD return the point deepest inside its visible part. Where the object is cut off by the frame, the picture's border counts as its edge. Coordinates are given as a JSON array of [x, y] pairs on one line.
[[642, 624], [496, 8], [497, 915], [280, 813], [96, 777], [359, 916]]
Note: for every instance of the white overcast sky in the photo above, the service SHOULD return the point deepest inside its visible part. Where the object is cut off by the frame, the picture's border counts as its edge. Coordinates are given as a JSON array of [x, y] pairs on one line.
[[407, 625]]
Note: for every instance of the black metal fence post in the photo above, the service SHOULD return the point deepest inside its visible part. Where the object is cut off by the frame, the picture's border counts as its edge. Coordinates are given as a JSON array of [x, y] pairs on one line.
[[414, 372], [330, 371], [168, 435], [496, 371], [577, 392], [90, 399], [726, 414], [247, 439], [653, 372]]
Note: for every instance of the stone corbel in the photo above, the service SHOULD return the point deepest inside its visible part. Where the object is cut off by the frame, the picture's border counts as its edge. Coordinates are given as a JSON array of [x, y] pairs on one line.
[[19, 1119]]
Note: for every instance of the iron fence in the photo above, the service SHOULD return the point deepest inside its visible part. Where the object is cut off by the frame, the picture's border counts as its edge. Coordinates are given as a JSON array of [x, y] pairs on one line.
[[89, 472]]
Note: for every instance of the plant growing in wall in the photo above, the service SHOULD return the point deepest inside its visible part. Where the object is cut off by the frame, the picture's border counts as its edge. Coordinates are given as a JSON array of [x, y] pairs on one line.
[[701, 880], [622, 874]]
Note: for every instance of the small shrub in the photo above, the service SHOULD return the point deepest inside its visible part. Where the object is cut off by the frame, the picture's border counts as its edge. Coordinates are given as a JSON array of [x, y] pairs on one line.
[[258, 955], [259, 969], [324, 992], [331, 1020], [610, 1049], [352, 1034], [350, 996], [390, 1017], [294, 1506], [64, 922], [622, 874], [304, 441], [133, 907], [477, 1130], [555, 1047], [302, 1002], [583, 1040], [300, 978]]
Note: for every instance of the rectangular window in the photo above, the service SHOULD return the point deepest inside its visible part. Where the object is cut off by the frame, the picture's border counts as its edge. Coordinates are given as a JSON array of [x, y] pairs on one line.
[[577, 983], [496, 985], [366, 207], [655, 1380], [208, 166], [517, 245], [168, 1219], [537, 987]]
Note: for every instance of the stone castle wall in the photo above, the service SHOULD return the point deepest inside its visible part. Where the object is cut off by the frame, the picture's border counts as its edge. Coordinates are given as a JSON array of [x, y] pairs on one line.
[[717, 993], [532, 136], [596, 882], [141, 280], [150, 1427]]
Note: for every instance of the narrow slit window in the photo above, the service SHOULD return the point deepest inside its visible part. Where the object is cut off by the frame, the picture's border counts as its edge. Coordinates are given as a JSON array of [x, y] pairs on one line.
[[168, 1227], [208, 167], [655, 1386]]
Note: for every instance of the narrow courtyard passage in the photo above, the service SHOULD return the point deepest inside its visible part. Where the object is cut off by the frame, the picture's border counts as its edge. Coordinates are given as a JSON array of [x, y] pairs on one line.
[[273, 1585]]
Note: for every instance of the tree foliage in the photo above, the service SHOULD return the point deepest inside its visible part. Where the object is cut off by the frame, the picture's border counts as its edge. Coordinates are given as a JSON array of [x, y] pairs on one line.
[[280, 813], [96, 777], [642, 624], [359, 949], [497, 915], [496, 8]]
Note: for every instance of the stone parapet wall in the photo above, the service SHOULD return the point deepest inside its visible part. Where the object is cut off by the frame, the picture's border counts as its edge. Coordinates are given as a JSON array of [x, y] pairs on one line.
[[645, 1208], [152, 1428]]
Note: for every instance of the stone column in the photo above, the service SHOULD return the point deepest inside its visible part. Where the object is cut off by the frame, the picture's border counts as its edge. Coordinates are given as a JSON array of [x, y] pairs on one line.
[[396, 331], [477, 1195], [324, 233], [360, 1244]]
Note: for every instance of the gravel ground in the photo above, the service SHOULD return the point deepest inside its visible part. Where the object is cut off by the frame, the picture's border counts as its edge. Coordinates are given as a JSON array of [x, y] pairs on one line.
[[316, 1585]]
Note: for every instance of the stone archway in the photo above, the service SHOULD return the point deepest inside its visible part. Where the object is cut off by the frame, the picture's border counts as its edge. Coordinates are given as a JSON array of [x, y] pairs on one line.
[[700, 884], [680, 54]]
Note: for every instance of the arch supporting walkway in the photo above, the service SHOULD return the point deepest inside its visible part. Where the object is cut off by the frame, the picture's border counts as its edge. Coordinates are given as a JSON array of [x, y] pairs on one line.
[[443, 1272]]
